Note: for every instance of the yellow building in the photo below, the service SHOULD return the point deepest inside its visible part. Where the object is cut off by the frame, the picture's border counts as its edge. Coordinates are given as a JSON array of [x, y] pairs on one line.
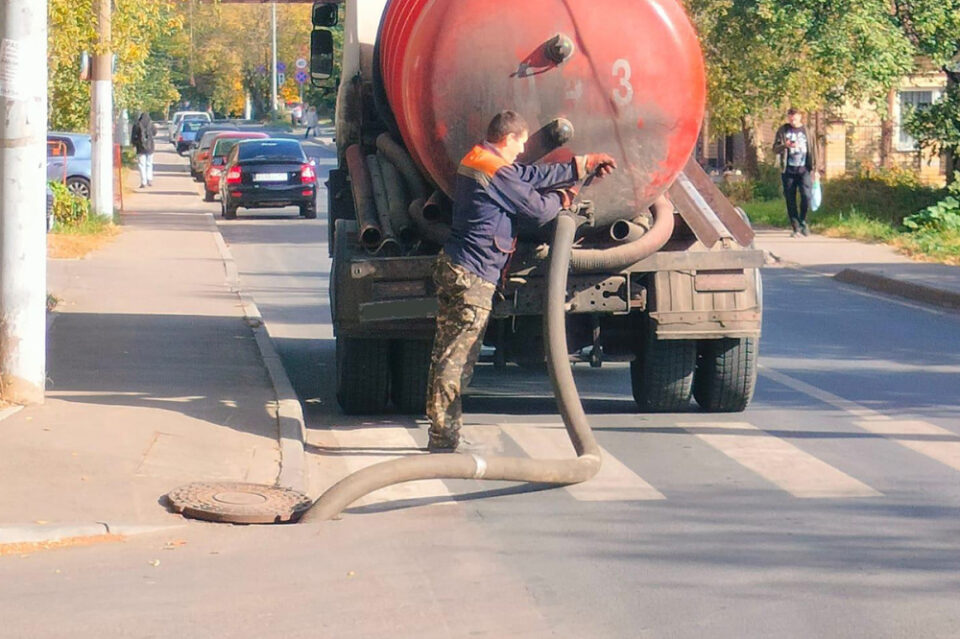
[[850, 139]]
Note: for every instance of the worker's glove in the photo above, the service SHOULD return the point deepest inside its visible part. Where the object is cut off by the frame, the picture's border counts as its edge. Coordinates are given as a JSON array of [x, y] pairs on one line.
[[567, 196], [599, 163]]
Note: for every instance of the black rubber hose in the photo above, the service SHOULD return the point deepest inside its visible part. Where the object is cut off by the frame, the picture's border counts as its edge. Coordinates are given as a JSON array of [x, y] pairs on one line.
[[436, 232], [474, 466], [618, 257]]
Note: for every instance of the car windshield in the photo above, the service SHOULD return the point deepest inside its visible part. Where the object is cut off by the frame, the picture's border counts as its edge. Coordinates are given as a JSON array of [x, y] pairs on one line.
[[271, 149], [209, 136], [191, 126], [223, 146]]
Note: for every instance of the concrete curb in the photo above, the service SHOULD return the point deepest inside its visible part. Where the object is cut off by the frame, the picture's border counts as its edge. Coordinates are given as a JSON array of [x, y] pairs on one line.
[[941, 298], [909, 290], [37, 533], [291, 426]]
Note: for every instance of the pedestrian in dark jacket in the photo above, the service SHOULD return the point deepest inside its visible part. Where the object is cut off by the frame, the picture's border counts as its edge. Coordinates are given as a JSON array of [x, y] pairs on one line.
[[797, 155], [142, 138], [492, 194]]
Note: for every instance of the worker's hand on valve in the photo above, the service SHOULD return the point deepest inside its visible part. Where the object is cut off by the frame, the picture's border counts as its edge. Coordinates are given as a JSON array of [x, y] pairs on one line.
[[567, 196], [599, 163]]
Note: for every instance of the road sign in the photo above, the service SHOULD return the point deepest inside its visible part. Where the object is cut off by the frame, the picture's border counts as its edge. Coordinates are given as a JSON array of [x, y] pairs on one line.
[[281, 66], [301, 77], [301, 63]]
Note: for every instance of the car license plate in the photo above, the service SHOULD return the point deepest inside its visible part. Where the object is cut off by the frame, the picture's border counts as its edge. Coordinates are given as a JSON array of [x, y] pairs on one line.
[[270, 177]]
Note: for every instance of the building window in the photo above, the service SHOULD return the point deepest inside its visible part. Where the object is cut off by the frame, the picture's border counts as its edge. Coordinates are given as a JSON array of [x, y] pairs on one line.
[[911, 100]]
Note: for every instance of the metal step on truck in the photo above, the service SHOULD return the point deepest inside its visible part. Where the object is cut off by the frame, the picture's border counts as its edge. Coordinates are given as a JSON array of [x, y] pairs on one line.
[[672, 288]]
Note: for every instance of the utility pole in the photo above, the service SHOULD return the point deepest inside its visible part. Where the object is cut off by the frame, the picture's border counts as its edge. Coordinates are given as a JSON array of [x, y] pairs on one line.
[[273, 72], [23, 248], [101, 115]]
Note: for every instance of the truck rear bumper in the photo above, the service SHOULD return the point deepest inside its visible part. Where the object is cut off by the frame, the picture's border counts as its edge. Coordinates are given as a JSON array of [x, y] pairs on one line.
[[377, 296]]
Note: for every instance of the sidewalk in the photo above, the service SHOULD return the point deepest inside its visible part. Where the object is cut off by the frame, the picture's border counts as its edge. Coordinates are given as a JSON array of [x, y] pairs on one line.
[[874, 266], [155, 378]]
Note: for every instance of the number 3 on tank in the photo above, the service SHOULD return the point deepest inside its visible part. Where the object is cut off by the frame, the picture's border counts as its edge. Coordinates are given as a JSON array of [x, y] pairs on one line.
[[622, 94]]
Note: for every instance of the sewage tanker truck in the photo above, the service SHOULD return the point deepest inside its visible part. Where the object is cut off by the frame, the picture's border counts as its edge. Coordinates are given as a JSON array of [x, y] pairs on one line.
[[663, 274]]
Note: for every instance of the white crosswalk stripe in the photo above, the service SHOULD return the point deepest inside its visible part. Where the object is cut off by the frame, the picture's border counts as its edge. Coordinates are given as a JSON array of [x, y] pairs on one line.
[[945, 448], [775, 460], [614, 482], [347, 451], [780, 462]]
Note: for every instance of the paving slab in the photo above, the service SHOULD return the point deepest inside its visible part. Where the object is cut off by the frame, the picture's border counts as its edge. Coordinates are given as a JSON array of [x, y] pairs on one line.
[[874, 266], [154, 376]]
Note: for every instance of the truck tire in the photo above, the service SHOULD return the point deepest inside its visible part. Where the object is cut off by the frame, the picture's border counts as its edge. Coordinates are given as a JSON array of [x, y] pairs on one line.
[[662, 374], [208, 195], [726, 374], [308, 211], [410, 367], [363, 375], [229, 212]]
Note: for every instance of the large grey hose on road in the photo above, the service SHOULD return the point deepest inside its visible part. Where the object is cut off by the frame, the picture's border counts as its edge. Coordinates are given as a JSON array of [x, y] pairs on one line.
[[618, 257], [472, 466]]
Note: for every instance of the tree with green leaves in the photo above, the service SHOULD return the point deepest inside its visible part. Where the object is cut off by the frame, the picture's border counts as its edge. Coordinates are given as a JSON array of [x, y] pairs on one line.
[[764, 55], [933, 26], [139, 83]]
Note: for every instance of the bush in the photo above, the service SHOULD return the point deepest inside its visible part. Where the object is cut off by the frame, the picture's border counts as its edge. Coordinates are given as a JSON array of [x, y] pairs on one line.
[[887, 196], [739, 189], [767, 186], [68, 209], [942, 216]]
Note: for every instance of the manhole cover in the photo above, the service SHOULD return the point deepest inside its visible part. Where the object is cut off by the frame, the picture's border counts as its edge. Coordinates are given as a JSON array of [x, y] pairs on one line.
[[238, 502]]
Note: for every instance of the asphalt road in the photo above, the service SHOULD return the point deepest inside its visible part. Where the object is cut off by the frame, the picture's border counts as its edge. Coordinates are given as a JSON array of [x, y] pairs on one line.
[[829, 508]]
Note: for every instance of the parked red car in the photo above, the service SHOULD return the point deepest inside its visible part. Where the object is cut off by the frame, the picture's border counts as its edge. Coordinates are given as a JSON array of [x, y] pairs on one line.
[[219, 148]]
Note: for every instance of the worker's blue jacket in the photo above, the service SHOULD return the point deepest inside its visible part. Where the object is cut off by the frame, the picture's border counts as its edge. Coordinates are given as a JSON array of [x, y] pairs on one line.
[[491, 198]]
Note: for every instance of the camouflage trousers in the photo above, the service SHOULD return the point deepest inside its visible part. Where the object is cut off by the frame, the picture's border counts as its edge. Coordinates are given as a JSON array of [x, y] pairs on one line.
[[465, 301]]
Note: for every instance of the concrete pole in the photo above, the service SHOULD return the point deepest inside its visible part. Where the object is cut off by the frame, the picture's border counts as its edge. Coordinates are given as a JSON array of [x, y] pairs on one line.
[[101, 116], [23, 162], [273, 73]]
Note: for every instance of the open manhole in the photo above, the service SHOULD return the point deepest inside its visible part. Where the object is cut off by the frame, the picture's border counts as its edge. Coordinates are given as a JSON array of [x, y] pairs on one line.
[[239, 502]]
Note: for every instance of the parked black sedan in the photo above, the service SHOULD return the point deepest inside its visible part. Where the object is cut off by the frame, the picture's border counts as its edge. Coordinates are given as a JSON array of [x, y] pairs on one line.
[[268, 173]]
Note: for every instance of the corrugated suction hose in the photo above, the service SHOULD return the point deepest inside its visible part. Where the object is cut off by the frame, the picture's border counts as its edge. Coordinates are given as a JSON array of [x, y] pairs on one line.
[[618, 257], [474, 466]]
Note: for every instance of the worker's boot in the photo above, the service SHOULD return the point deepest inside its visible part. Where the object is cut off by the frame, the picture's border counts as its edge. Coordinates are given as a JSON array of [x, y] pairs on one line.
[[443, 441]]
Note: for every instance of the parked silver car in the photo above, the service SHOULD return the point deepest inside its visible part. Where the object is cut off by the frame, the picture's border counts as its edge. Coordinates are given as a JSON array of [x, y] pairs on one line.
[[68, 161]]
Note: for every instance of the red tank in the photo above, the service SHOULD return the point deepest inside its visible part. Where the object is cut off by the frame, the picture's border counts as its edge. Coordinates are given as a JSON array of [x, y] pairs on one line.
[[628, 74]]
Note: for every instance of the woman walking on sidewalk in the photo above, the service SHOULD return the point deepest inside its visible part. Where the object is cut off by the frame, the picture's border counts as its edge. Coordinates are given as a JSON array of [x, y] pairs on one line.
[[142, 139], [796, 152], [311, 121]]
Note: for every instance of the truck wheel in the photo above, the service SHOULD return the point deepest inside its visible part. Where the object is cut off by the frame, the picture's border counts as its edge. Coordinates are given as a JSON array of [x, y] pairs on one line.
[[229, 212], [410, 367], [363, 375], [726, 374], [308, 211], [207, 195], [662, 374]]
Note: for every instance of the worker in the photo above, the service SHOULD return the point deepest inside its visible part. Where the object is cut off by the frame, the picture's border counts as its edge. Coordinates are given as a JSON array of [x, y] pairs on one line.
[[492, 195]]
